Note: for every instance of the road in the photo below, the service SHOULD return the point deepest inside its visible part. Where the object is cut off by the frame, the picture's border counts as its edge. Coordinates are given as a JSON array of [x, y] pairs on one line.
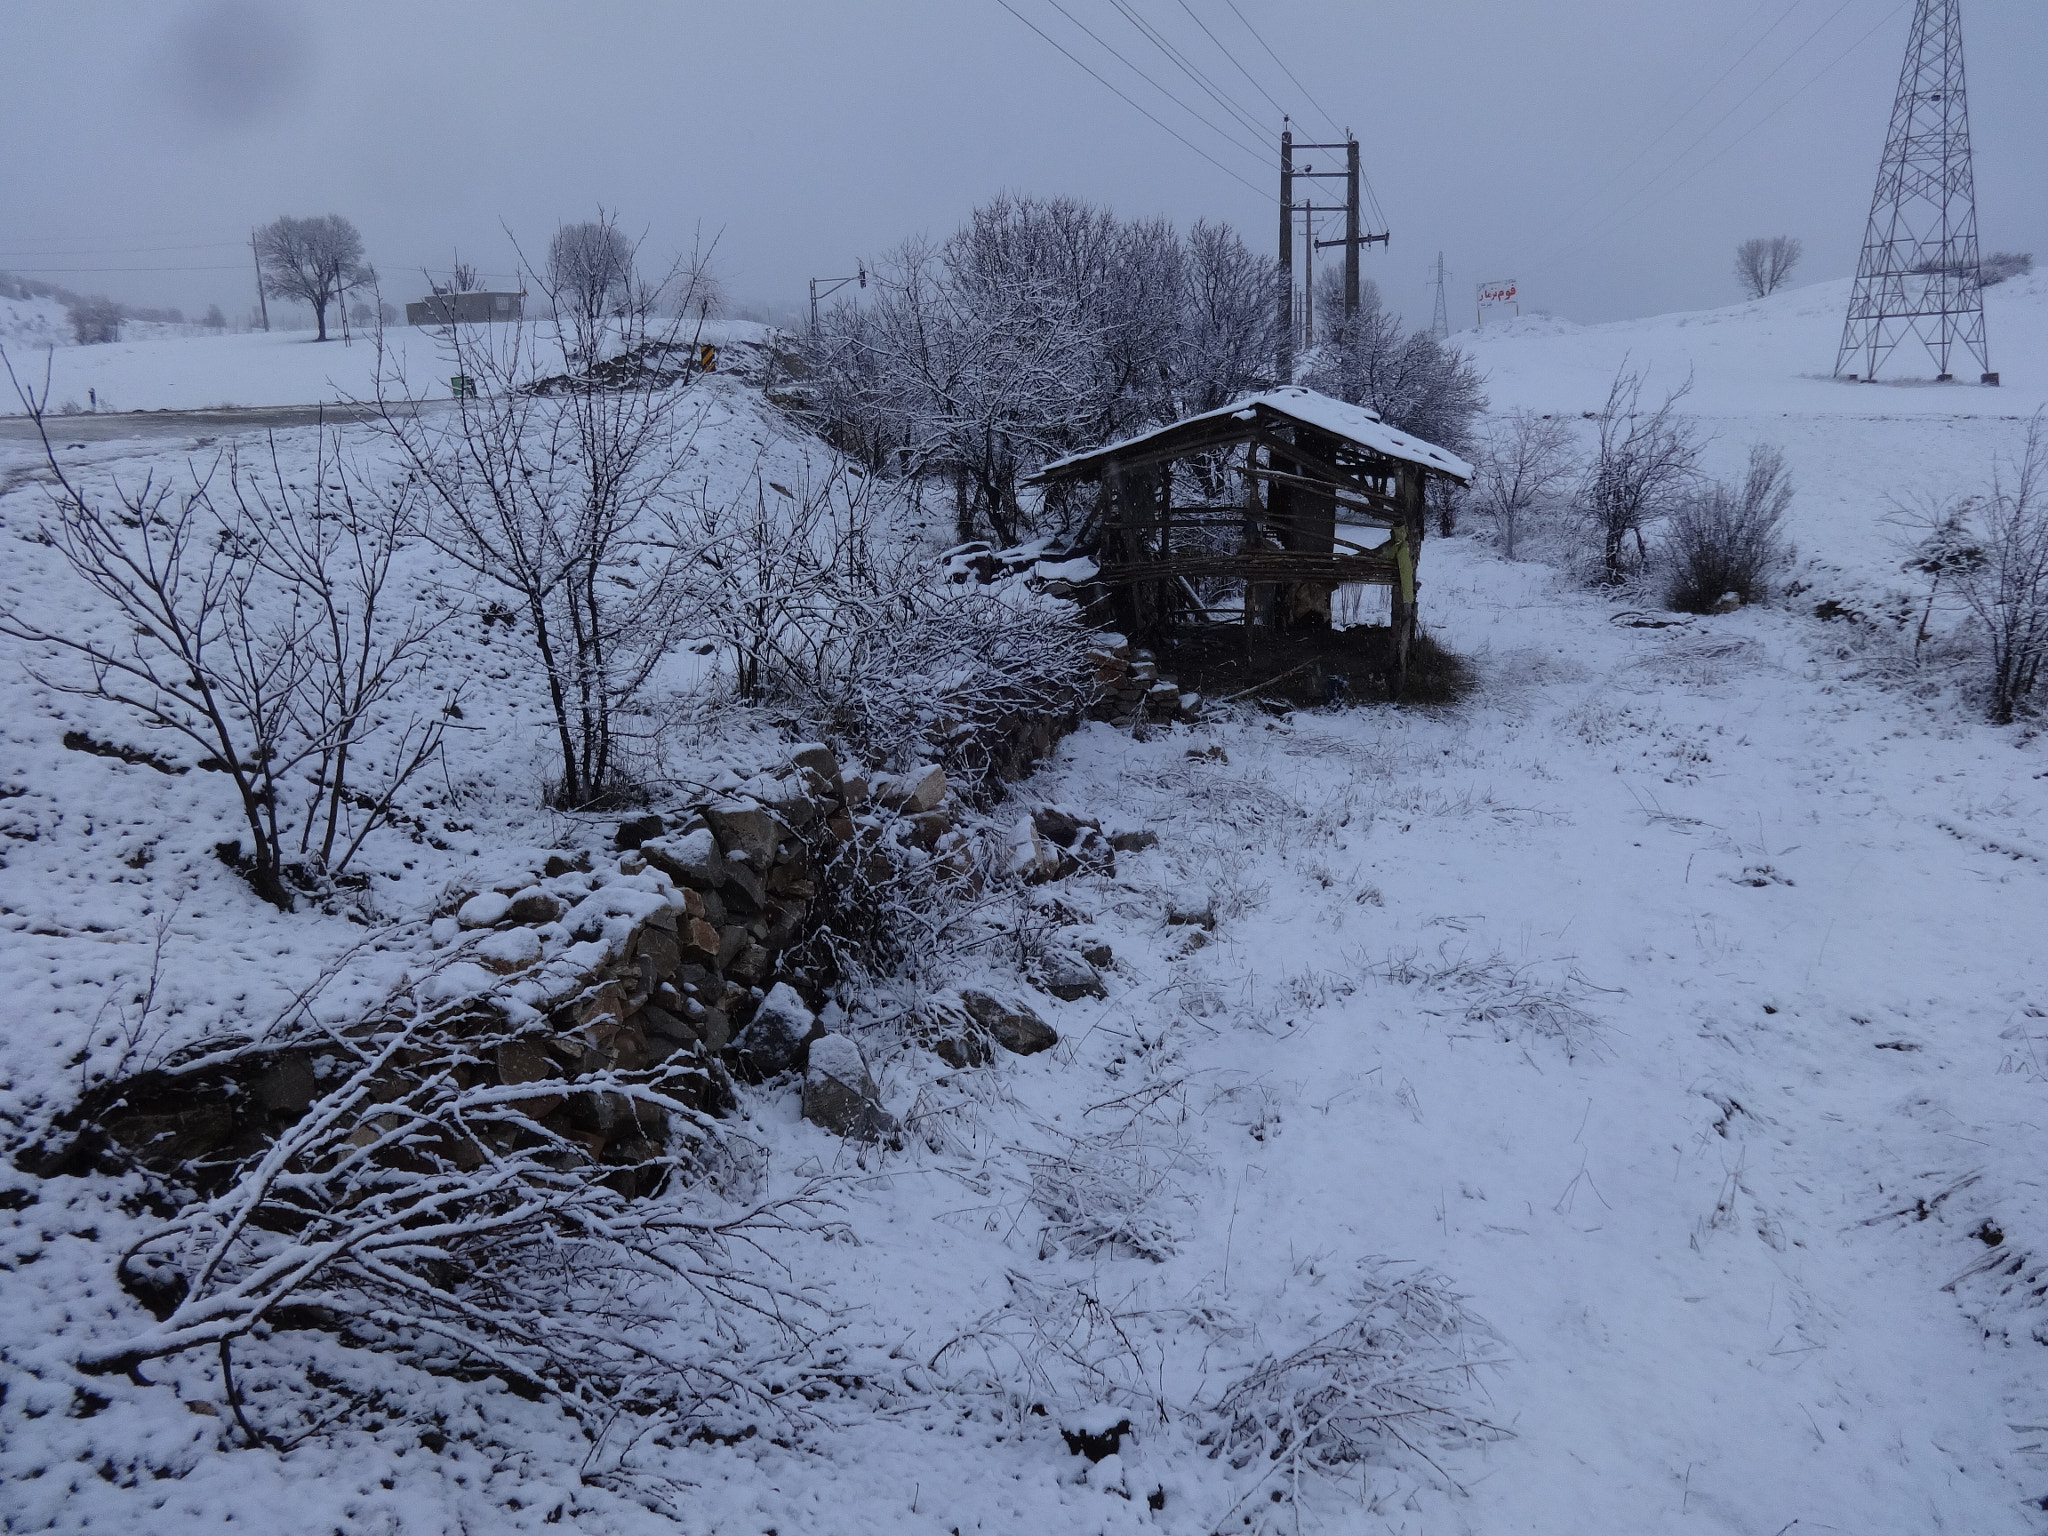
[[114, 425]]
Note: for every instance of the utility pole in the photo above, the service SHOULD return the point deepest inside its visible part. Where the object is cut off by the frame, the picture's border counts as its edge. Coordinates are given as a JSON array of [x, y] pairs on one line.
[[1918, 275], [262, 303], [1353, 238], [1351, 233], [1308, 279], [1440, 322], [832, 286], [1283, 365]]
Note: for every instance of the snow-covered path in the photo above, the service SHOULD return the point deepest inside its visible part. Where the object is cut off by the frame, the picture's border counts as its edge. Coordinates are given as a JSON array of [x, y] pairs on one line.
[[1810, 965]]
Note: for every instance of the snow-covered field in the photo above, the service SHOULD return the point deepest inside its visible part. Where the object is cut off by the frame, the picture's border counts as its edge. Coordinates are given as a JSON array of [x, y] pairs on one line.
[[255, 368], [1678, 999]]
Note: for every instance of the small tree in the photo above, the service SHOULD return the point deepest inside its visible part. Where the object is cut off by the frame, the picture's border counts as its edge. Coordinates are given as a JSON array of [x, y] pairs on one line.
[[1764, 266], [590, 270], [1728, 538], [215, 320], [254, 623], [312, 261], [550, 481], [1524, 460], [1645, 461]]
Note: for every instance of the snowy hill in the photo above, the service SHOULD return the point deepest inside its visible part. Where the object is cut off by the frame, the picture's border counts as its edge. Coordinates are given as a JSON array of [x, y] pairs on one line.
[[1677, 1000], [1760, 372]]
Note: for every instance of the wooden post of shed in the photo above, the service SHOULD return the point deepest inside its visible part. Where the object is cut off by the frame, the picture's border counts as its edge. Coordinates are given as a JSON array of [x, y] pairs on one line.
[[1409, 490]]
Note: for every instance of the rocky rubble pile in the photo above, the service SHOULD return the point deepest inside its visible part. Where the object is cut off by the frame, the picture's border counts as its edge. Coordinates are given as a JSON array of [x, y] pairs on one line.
[[1133, 692]]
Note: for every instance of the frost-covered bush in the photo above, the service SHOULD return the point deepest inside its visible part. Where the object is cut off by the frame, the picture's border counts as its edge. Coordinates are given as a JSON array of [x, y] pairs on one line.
[[1523, 461], [253, 613], [95, 320], [1106, 1193], [1644, 464], [550, 477], [1989, 552], [1398, 1372], [421, 1207], [2000, 265], [1729, 538], [836, 615]]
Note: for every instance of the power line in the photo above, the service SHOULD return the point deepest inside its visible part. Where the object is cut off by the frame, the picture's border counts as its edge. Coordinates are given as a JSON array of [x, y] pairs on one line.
[[128, 250], [1331, 121], [1110, 49], [1812, 80], [1707, 133], [1180, 62], [47, 271], [1232, 57], [1641, 154], [1149, 116]]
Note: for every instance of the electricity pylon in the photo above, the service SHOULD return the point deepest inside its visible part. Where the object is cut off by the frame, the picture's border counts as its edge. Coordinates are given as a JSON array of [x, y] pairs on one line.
[[1440, 322], [1918, 275]]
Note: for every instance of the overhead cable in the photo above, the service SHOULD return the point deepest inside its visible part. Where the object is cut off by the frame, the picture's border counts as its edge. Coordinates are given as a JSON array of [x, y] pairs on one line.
[[1180, 62], [1111, 50], [1148, 115], [1331, 121]]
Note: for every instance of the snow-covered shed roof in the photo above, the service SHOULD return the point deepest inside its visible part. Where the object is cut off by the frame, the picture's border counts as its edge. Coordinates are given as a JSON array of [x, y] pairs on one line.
[[1294, 405]]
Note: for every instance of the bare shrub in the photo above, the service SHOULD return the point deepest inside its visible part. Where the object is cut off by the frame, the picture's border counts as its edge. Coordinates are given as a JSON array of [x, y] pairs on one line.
[[1643, 465], [1524, 460], [420, 1206], [1991, 550], [253, 624], [1512, 999], [1730, 538], [1106, 1192], [95, 320], [1764, 266], [1063, 1343], [2000, 265], [1399, 1371], [834, 615]]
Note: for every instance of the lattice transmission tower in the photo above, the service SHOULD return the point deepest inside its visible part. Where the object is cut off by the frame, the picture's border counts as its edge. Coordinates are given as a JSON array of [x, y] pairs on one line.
[[1918, 276]]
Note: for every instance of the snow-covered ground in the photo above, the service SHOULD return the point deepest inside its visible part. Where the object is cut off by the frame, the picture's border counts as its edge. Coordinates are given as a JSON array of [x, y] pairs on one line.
[[1679, 999]]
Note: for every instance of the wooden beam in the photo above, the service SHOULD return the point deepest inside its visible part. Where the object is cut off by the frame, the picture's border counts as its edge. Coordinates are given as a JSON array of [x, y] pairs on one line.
[[1384, 508]]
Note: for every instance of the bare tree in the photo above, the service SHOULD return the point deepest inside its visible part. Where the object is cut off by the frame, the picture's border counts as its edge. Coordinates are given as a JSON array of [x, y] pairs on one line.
[[1644, 463], [95, 320], [313, 261], [1412, 380], [255, 626], [590, 270], [463, 279], [1524, 460], [1729, 538], [1992, 550], [549, 480], [1764, 266], [1041, 325]]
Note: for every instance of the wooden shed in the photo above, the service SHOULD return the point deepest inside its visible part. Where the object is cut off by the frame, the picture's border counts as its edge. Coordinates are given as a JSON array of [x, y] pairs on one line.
[[1256, 513]]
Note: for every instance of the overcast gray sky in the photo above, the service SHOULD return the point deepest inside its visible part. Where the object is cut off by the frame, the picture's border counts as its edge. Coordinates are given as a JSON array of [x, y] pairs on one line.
[[1599, 151]]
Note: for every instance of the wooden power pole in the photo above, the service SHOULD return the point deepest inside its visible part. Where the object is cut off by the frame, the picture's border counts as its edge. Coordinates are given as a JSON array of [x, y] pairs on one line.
[[261, 303], [1283, 365]]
